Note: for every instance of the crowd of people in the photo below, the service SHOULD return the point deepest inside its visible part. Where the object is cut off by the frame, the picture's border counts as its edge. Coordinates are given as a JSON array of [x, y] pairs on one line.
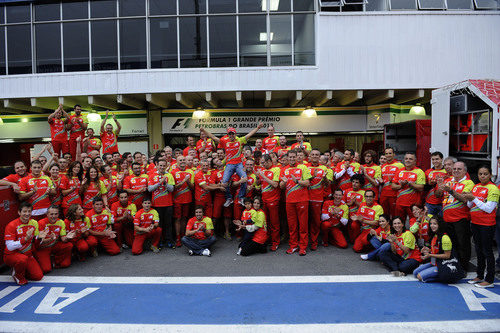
[[88, 195]]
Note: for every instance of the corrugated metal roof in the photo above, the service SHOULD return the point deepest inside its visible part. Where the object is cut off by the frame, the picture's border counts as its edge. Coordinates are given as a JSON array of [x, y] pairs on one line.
[[490, 88]]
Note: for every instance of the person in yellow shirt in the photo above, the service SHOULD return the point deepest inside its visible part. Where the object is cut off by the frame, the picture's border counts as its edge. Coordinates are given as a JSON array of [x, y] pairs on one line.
[[483, 201], [440, 249], [455, 211]]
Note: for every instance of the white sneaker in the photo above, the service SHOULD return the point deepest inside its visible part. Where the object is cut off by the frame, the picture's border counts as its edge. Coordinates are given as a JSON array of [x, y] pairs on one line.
[[241, 202], [190, 252], [491, 285], [239, 251], [125, 246], [206, 252], [364, 256], [228, 202]]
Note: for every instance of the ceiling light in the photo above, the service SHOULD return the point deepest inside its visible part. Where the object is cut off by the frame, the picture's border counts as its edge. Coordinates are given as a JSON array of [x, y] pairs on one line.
[[309, 112], [263, 36], [1, 121], [273, 5], [417, 110], [93, 117], [200, 113], [24, 120]]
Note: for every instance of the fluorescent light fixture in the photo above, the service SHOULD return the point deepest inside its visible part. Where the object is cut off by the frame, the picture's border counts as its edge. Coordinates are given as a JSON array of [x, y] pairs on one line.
[[200, 113], [273, 5], [417, 110], [93, 117], [7, 141], [309, 112], [263, 36], [1, 121], [46, 139], [24, 120]]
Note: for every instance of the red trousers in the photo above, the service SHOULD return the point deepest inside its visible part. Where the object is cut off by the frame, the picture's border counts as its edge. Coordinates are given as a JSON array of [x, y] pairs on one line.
[[353, 230], [271, 209], [207, 207], [403, 212], [181, 210], [83, 245], [73, 144], [139, 239], [24, 265], [60, 147], [315, 221], [237, 210], [62, 256], [362, 242], [298, 224], [219, 210], [388, 204], [124, 232], [108, 244], [331, 233]]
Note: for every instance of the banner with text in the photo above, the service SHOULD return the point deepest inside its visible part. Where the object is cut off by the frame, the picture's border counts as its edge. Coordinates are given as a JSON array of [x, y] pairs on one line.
[[183, 123]]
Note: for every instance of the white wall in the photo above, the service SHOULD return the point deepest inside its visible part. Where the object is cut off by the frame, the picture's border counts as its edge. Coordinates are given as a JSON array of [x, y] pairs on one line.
[[372, 50]]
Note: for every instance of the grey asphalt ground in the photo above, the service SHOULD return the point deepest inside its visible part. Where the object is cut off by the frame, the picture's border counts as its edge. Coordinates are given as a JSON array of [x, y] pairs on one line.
[[223, 262]]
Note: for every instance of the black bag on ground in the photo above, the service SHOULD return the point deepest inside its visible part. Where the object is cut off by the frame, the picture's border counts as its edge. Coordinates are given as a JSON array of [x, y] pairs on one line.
[[449, 270]]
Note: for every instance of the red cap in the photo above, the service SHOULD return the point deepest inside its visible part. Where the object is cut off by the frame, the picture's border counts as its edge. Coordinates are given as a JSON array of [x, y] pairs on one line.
[[231, 129]]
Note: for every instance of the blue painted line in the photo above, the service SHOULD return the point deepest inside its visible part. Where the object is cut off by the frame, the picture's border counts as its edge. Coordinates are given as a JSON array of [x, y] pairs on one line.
[[291, 303]]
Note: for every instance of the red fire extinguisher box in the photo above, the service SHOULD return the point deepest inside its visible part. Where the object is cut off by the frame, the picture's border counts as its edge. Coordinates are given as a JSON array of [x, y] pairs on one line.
[[8, 212]]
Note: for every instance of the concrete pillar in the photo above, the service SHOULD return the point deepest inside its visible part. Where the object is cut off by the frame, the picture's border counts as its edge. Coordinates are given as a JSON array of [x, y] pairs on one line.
[[155, 131]]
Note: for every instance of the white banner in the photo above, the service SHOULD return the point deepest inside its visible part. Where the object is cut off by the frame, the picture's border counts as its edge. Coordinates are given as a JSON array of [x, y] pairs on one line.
[[282, 124]]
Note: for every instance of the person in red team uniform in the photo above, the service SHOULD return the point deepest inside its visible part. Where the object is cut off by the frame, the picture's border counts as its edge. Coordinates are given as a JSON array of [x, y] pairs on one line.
[[354, 197], [251, 184], [20, 237], [295, 179], [58, 135], [77, 125], [301, 144], [58, 244], [409, 182], [77, 222], [100, 231], [184, 183], [271, 141], [233, 148], [368, 215], [259, 147], [136, 185], [161, 185], [36, 188], [372, 173], [111, 183], [203, 188], [190, 145], [387, 194], [199, 234], [90, 142], [334, 214], [123, 214], [70, 186], [269, 178], [13, 179], [205, 144], [146, 225], [220, 197], [91, 188], [346, 169], [109, 137], [433, 203], [319, 182], [56, 198]]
